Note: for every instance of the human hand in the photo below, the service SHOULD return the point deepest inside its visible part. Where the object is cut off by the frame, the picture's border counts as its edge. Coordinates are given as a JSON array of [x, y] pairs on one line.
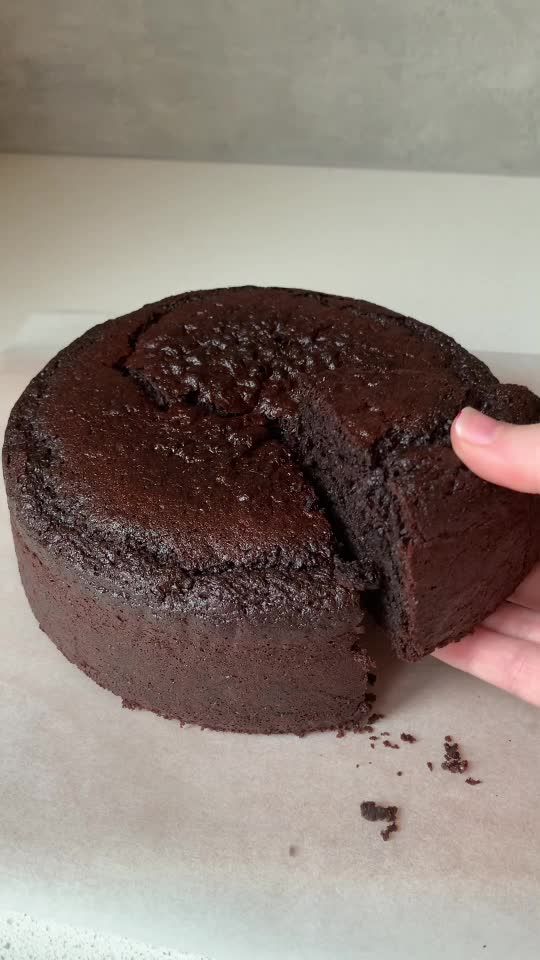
[[505, 649]]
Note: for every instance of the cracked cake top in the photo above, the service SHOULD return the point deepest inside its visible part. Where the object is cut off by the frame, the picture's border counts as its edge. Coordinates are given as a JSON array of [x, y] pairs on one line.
[[160, 433]]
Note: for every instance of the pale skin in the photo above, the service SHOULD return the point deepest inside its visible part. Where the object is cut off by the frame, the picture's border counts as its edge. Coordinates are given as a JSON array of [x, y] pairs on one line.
[[505, 649]]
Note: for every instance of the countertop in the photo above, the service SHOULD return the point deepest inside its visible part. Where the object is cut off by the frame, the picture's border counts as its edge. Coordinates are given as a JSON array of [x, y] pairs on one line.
[[460, 252]]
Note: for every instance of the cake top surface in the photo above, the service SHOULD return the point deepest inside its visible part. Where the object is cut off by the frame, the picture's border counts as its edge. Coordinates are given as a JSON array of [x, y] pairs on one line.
[[390, 407], [161, 431]]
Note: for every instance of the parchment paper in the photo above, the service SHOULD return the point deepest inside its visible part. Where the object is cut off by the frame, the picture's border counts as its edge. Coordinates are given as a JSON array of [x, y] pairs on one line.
[[127, 824]]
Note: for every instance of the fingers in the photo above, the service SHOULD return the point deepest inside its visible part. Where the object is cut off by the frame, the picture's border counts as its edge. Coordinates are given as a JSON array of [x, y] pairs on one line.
[[528, 592], [515, 621], [502, 453], [505, 651], [513, 665]]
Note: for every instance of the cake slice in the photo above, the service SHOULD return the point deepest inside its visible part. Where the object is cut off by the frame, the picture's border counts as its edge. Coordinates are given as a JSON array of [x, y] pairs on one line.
[[419, 522]]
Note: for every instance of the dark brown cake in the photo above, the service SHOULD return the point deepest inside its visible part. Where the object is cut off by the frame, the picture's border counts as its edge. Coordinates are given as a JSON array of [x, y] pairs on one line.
[[203, 491]]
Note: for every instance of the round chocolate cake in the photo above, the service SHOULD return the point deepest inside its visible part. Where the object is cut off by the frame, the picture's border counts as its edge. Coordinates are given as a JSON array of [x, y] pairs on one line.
[[207, 493]]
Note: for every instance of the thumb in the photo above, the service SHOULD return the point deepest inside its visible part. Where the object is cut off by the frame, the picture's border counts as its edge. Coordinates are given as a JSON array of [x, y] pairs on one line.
[[502, 453]]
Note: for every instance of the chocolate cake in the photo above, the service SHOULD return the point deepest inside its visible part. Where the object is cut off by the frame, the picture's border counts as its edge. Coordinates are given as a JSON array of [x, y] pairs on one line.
[[207, 493]]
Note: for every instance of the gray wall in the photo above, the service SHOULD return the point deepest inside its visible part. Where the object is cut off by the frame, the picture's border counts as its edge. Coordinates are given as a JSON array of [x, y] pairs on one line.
[[426, 84]]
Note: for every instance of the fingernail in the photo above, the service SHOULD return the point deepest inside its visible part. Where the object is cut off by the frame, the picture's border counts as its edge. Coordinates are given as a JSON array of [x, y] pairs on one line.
[[472, 426]]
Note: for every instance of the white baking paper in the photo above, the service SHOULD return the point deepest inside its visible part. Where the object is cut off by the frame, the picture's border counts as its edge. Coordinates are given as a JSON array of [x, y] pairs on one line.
[[129, 825]]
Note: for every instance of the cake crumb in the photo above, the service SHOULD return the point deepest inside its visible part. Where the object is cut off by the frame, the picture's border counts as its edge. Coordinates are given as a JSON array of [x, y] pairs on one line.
[[408, 738], [429, 765], [371, 679], [293, 850], [448, 738], [370, 697], [393, 746], [391, 828], [399, 773], [472, 781], [340, 733], [374, 737], [453, 766], [368, 728], [453, 761], [372, 745], [375, 717], [374, 811]]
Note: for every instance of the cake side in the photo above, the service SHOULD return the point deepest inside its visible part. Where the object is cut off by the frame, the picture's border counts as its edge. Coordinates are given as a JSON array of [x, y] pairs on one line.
[[285, 658]]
